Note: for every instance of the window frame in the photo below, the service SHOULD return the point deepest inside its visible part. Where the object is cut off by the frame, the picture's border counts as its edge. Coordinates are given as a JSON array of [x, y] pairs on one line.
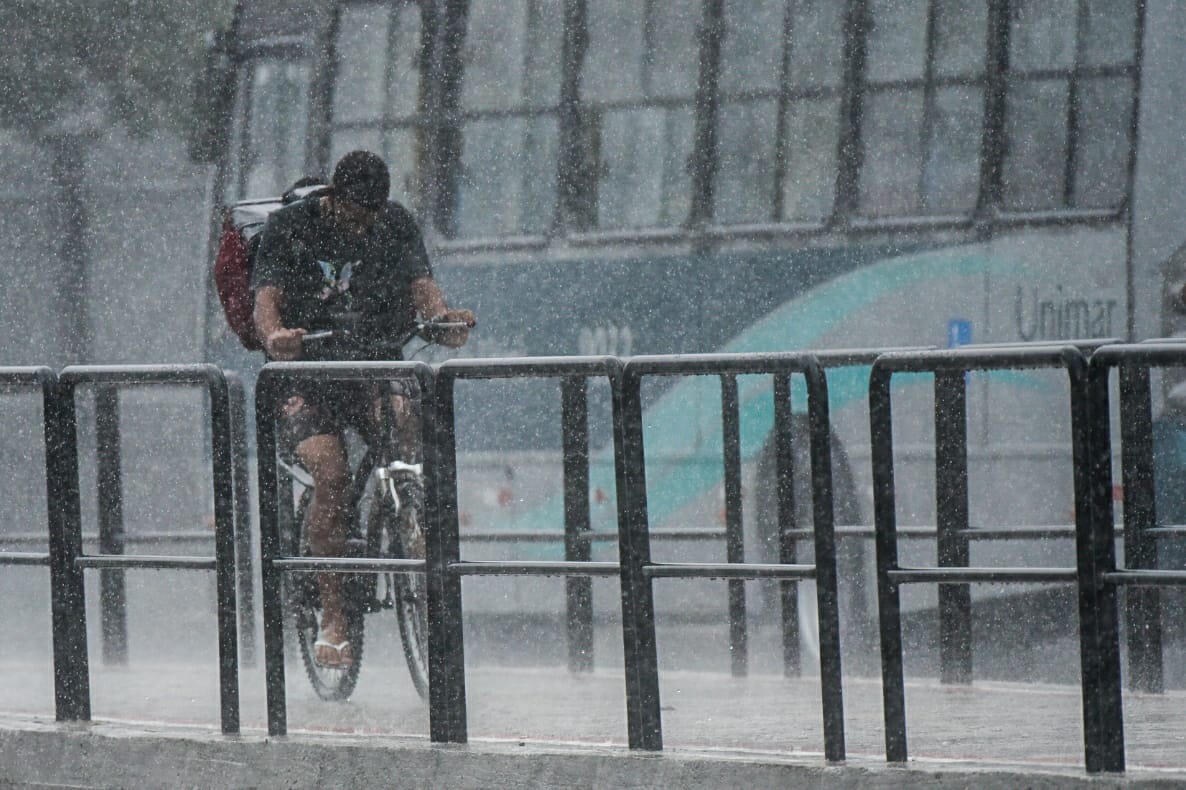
[[443, 37]]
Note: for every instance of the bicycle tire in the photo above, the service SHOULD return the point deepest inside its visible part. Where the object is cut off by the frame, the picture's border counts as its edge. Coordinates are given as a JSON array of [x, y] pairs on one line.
[[333, 684], [409, 590]]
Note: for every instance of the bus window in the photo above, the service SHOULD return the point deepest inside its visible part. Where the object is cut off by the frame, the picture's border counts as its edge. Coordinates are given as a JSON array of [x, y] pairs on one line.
[[509, 99], [923, 107], [1069, 95], [760, 79], [273, 149], [638, 87], [376, 91]]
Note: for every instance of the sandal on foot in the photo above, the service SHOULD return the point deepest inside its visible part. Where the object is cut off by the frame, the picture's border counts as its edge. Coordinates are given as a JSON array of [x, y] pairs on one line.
[[343, 660]]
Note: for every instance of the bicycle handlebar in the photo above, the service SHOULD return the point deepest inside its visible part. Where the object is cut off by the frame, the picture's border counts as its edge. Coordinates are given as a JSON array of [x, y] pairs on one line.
[[421, 329]]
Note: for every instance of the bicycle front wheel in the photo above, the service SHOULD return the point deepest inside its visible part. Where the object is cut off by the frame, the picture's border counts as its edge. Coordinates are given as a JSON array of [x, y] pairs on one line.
[[403, 537], [331, 683]]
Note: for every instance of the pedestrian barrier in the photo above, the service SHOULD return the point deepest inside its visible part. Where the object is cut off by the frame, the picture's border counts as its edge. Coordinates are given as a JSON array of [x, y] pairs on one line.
[[638, 571], [68, 559], [446, 642], [272, 562], [70, 701], [1096, 573], [1139, 572], [445, 567], [949, 368]]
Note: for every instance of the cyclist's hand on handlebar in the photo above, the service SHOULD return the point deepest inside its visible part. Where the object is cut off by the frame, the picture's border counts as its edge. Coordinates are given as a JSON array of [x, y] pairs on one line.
[[454, 337], [284, 344]]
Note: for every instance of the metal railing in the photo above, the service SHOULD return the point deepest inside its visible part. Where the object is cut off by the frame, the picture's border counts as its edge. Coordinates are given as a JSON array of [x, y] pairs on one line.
[[1139, 572], [639, 571], [1096, 573], [69, 560], [954, 574], [272, 562]]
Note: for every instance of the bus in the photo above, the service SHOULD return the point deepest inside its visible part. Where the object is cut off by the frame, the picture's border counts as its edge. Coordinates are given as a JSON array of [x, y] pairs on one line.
[[633, 177]]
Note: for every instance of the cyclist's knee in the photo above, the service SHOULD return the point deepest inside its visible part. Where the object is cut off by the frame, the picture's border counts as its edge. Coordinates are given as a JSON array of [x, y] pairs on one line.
[[324, 456]]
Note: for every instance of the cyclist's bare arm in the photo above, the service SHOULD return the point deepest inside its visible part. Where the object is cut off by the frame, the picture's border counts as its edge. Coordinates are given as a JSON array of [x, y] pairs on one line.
[[279, 341], [429, 302]]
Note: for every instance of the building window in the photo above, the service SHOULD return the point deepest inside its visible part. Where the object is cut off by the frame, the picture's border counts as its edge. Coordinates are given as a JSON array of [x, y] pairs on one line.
[[1070, 88], [922, 108], [781, 73], [273, 138], [509, 99], [377, 89], [637, 96]]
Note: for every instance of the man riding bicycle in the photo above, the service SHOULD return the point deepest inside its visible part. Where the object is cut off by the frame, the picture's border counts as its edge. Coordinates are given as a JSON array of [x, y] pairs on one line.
[[343, 258]]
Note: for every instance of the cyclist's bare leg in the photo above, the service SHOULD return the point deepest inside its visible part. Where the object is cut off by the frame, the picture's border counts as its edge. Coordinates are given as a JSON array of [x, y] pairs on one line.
[[325, 458], [407, 426]]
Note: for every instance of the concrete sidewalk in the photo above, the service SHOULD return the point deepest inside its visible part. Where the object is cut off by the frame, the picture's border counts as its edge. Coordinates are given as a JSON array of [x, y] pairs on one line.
[[157, 725], [105, 754]]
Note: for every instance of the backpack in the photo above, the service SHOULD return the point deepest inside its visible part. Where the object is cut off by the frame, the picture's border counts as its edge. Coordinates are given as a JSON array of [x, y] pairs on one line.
[[242, 225]]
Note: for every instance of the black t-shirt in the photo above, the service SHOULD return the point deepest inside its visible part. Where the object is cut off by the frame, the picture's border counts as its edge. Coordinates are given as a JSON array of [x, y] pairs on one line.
[[328, 274]]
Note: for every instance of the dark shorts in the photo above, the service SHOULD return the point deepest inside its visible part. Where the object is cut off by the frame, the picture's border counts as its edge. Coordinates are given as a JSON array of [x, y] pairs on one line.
[[331, 407]]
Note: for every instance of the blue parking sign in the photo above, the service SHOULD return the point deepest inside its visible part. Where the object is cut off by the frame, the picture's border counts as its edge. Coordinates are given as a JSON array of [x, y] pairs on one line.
[[959, 332]]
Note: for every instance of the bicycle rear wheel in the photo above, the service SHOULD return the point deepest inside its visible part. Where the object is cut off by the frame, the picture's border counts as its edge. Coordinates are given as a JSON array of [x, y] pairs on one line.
[[303, 600], [403, 537]]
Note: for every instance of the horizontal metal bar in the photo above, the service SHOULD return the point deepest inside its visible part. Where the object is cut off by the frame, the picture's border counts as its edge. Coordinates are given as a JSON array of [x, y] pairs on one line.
[[23, 558], [964, 575], [14, 378], [1147, 578], [974, 533], [145, 561], [605, 535], [344, 371], [141, 374], [533, 568], [508, 536], [727, 570], [680, 533], [702, 364], [970, 358], [495, 368], [855, 357], [349, 564], [139, 537], [1152, 353]]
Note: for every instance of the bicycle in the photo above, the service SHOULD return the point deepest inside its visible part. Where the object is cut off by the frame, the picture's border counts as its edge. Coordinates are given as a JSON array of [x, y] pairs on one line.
[[385, 520]]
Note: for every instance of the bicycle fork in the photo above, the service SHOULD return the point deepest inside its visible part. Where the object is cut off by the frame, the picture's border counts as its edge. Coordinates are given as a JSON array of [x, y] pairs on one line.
[[396, 476]]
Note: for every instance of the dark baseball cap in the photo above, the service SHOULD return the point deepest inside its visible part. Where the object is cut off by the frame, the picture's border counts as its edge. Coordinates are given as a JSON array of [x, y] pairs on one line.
[[362, 178]]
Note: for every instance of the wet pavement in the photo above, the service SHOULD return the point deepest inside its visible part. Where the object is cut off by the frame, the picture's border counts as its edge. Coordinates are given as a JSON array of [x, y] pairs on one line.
[[988, 722]]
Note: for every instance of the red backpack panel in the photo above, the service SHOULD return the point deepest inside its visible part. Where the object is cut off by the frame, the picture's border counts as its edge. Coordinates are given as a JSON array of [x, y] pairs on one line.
[[232, 277]]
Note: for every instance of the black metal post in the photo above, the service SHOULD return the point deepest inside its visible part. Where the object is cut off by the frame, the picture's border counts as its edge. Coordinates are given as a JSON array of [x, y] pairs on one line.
[[1103, 713], [244, 564], [827, 591], [893, 689], [269, 544], [113, 600], [446, 666], [72, 693], [578, 589], [787, 550], [951, 511], [734, 534], [222, 475], [1142, 603], [644, 722]]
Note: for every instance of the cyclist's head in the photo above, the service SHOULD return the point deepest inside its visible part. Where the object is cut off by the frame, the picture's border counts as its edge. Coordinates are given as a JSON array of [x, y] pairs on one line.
[[361, 177]]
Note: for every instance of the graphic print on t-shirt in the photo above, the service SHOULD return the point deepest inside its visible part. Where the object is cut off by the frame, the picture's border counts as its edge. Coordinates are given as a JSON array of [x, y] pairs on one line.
[[335, 282]]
